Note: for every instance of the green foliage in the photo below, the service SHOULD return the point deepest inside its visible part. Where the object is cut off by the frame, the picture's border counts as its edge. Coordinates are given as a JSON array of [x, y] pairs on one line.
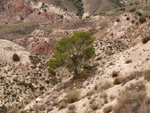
[[87, 17], [117, 81], [61, 16], [145, 39], [132, 10], [16, 57], [142, 20], [73, 52], [117, 2], [118, 20], [139, 13], [114, 74], [79, 5], [132, 21], [95, 14], [102, 13], [122, 9], [127, 18], [51, 71]]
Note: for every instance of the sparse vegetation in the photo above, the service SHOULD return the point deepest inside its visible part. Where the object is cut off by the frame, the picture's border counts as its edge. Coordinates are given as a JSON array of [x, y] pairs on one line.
[[132, 10], [13, 110], [117, 2], [122, 9], [79, 5], [132, 101]]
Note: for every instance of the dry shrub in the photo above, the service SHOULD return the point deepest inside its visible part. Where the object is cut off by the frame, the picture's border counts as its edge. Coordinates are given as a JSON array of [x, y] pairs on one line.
[[131, 76], [73, 96], [62, 105], [94, 106], [114, 74], [132, 102], [106, 85], [13, 110], [146, 74], [107, 109]]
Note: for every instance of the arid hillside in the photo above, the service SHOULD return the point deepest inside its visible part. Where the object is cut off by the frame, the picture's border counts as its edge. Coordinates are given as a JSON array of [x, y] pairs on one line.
[[116, 82]]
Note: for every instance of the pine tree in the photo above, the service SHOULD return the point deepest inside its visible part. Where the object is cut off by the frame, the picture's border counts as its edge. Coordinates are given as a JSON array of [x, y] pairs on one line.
[[73, 53]]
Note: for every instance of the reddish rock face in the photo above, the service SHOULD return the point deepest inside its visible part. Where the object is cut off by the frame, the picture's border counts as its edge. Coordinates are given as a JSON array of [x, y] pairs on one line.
[[93, 30], [38, 45], [42, 48], [12, 9], [48, 16], [17, 7]]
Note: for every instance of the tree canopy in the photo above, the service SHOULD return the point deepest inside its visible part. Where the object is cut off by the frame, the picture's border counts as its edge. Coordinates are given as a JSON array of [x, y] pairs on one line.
[[73, 53]]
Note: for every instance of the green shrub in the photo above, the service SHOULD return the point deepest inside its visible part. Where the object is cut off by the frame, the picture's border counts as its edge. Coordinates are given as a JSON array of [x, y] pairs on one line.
[[145, 39], [51, 71], [74, 53], [132, 10], [102, 13], [117, 2], [132, 21], [16, 57], [117, 81], [118, 20], [87, 17], [61, 16], [127, 18], [142, 20], [139, 13], [73, 96], [95, 14], [114, 74], [122, 9]]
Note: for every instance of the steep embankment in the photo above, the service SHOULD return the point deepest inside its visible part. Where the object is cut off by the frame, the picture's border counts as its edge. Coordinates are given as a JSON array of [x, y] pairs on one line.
[[100, 91]]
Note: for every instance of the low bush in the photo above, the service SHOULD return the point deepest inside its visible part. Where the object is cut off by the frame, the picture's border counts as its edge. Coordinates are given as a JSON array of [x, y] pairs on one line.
[[16, 57], [118, 20], [142, 20], [114, 74], [146, 74], [132, 102], [132, 21], [117, 81], [87, 17], [127, 18], [73, 96], [132, 10], [139, 13], [145, 39]]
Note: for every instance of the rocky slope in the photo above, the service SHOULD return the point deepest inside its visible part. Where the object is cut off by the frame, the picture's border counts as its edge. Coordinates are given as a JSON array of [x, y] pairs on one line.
[[120, 62]]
